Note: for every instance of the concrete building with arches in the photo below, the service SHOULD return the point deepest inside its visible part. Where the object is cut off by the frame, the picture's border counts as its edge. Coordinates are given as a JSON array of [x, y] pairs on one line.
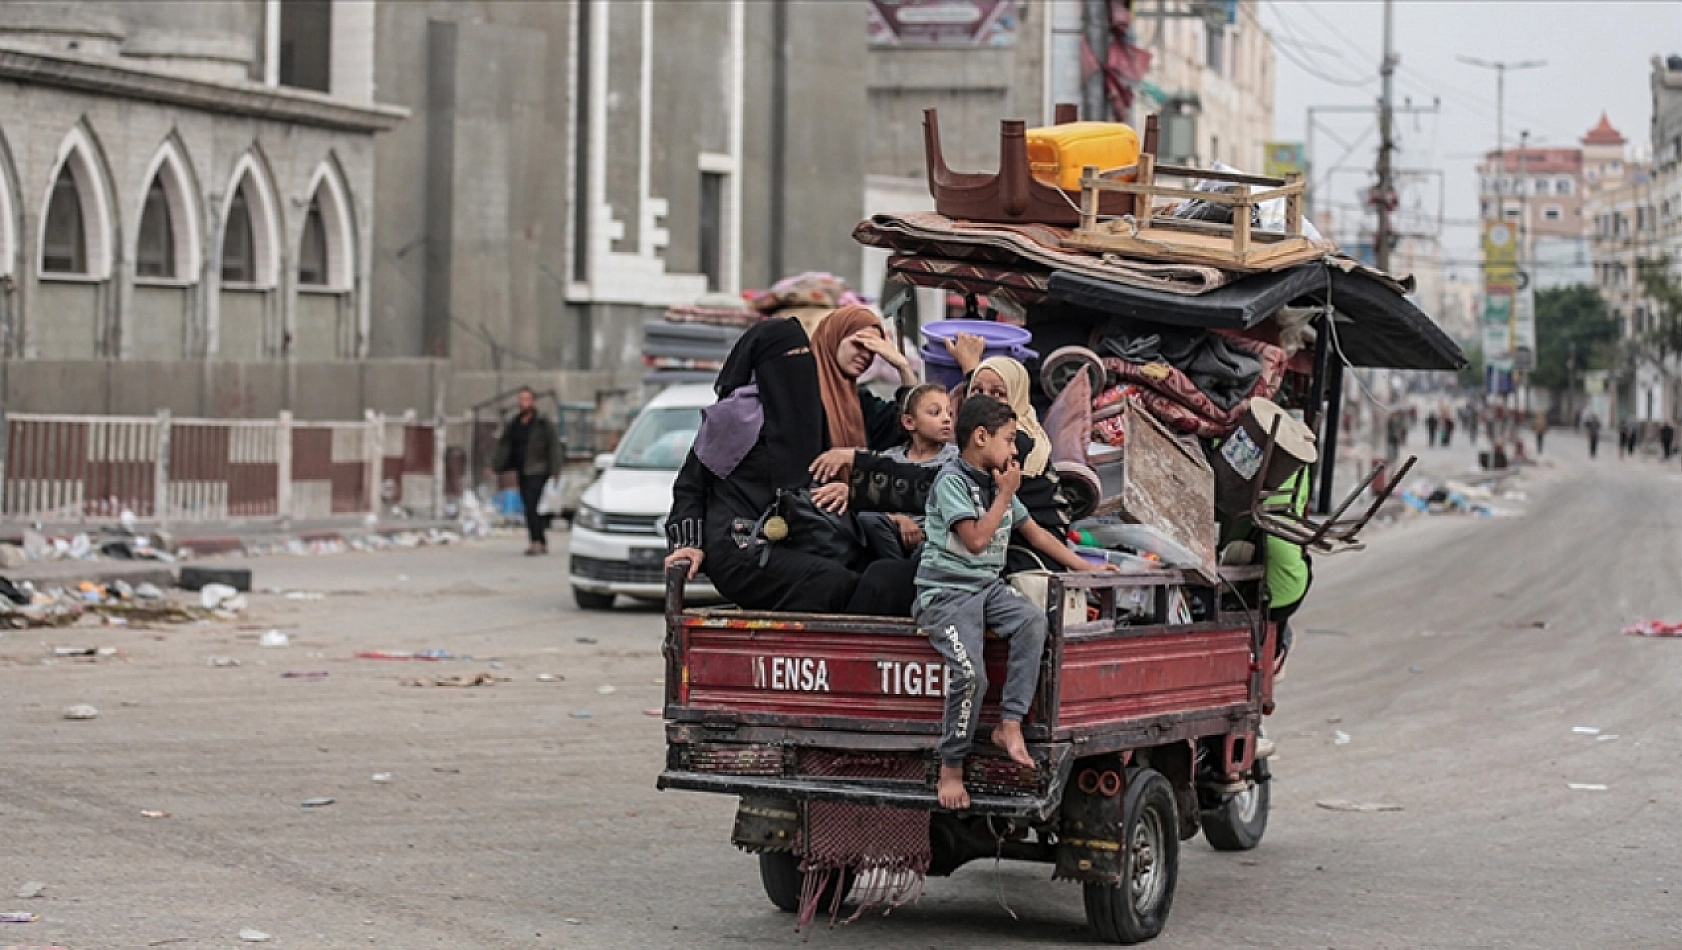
[[238, 207], [186, 221]]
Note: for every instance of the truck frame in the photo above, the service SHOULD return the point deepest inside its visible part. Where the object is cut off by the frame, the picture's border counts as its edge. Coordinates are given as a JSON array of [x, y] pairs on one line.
[[1144, 731]]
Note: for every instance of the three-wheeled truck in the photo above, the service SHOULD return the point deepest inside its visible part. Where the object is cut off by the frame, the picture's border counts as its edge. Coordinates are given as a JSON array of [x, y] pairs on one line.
[[1146, 719], [1142, 734]]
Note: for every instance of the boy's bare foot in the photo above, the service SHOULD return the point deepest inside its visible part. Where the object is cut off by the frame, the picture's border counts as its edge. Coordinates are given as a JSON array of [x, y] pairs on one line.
[[1007, 735], [951, 792]]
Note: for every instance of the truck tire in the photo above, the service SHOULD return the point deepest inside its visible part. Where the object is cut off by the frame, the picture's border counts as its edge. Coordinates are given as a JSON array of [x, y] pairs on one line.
[[1239, 822], [592, 600], [780, 872], [1136, 909]]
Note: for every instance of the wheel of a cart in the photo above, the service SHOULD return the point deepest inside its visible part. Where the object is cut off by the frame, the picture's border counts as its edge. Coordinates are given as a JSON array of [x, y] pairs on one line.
[[780, 872], [1239, 822], [1065, 363], [1136, 909]]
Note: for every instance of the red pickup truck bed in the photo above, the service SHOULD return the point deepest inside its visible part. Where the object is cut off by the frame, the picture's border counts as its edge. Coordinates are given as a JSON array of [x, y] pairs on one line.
[[750, 695]]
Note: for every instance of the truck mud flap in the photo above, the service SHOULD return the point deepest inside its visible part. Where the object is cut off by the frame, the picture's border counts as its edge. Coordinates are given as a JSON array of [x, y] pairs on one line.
[[766, 824]]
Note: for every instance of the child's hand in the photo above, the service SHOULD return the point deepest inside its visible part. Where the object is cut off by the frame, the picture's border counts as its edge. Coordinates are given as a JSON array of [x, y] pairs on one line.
[[1105, 567], [1009, 478]]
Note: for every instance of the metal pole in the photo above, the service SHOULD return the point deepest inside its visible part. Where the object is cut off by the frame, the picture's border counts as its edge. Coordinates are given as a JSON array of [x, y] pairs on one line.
[[1386, 142], [1095, 26]]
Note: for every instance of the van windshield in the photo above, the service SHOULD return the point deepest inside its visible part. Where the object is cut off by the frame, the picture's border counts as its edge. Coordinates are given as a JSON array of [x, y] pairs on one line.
[[659, 439]]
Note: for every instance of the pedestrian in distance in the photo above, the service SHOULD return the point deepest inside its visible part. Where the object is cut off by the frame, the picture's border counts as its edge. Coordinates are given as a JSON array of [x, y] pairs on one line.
[[529, 448], [1591, 426], [961, 593], [1539, 425], [1431, 425], [1448, 430], [1667, 438]]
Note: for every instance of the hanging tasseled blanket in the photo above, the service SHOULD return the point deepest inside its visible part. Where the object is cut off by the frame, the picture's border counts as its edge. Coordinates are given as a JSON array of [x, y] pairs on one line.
[[884, 851]]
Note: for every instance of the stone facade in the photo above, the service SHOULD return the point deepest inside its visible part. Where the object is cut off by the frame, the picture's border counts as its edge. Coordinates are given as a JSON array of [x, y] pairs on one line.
[[446, 200]]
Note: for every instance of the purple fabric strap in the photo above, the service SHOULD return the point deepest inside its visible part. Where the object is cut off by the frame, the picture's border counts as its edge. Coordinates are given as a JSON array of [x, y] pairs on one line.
[[729, 429]]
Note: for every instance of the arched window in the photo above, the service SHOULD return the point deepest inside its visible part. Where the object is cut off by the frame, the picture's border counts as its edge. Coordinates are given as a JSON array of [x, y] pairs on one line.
[[327, 246], [239, 243], [312, 252], [154, 254], [64, 245]]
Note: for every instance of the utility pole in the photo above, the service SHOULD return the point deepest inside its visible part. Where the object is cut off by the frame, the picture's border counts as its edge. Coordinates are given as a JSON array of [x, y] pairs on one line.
[[1501, 67], [1094, 97], [1383, 198]]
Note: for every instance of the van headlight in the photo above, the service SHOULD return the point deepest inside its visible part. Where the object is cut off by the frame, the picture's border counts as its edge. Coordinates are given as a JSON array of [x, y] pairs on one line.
[[591, 518]]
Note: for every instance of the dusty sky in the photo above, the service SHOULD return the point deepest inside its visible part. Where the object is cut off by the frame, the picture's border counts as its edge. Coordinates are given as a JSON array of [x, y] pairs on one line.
[[1328, 52]]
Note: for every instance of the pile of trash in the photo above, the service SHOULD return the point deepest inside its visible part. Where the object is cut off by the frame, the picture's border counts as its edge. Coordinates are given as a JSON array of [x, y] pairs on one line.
[[396, 540], [118, 604], [1454, 497], [122, 544]]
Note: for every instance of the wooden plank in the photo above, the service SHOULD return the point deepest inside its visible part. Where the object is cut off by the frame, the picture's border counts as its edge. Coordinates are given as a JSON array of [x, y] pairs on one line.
[[1186, 248], [1237, 178], [1241, 223]]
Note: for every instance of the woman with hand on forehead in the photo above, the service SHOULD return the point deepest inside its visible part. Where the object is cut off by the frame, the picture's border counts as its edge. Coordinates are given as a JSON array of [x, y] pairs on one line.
[[807, 401]]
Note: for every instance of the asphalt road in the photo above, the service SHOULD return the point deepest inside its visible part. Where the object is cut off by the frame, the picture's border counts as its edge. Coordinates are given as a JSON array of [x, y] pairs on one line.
[[1457, 655]]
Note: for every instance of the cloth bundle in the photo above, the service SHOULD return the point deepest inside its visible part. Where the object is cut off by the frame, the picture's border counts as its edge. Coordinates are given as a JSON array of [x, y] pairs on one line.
[[1172, 396]]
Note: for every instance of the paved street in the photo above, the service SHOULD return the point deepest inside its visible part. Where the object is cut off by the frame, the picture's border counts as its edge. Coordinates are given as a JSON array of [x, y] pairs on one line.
[[1457, 654]]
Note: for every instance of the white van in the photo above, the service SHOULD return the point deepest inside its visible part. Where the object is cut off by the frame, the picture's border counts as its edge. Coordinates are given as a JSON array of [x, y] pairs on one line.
[[619, 533]]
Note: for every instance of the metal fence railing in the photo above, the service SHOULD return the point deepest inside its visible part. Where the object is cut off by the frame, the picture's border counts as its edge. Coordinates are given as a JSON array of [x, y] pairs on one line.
[[66, 468]]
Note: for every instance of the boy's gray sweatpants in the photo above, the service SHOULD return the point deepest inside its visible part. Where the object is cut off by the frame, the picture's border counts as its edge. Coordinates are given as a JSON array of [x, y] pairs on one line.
[[955, 621]]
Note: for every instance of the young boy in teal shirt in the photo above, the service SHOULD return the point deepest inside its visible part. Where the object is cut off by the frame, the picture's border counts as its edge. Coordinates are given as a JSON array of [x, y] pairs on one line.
[[972, 509]]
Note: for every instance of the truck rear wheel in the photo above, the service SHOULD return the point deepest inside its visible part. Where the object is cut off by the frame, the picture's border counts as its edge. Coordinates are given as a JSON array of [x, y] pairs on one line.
[[1136, 909], [1238, 823], [780, 872]]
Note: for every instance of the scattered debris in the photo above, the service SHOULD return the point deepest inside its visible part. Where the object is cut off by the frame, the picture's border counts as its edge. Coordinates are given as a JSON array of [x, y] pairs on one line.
[[31, 890], [212, 596], [407, 655], [1654, 628], [221, 662], [80, 712], [573, 920], [253, 935], [304, 675], [655, 711], [305, 595], [201, 577], [382, 778], [550, 678], [1586, 786], [315, 802], [581, 714], [460, 680], [606, 689], [1344, 804], [153, 813], [273, 638], [1415, 669], [1614, 737], [1526, 625], [20, 917], [1585, 730], [1340, 737], [585, 639]]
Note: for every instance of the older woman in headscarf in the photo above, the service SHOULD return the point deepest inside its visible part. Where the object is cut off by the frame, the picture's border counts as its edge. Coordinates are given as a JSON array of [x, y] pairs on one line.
[[784, 399], [1006, 380]]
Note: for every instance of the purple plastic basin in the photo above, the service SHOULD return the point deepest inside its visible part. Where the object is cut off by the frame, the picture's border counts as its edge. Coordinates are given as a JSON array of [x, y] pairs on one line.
[[939, 367], [1002, 336]]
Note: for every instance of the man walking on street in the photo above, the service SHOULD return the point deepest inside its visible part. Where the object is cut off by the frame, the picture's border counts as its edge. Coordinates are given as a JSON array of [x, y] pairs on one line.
[[1539, 424], [1591, 423], [1667, 438], [530, 450]]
